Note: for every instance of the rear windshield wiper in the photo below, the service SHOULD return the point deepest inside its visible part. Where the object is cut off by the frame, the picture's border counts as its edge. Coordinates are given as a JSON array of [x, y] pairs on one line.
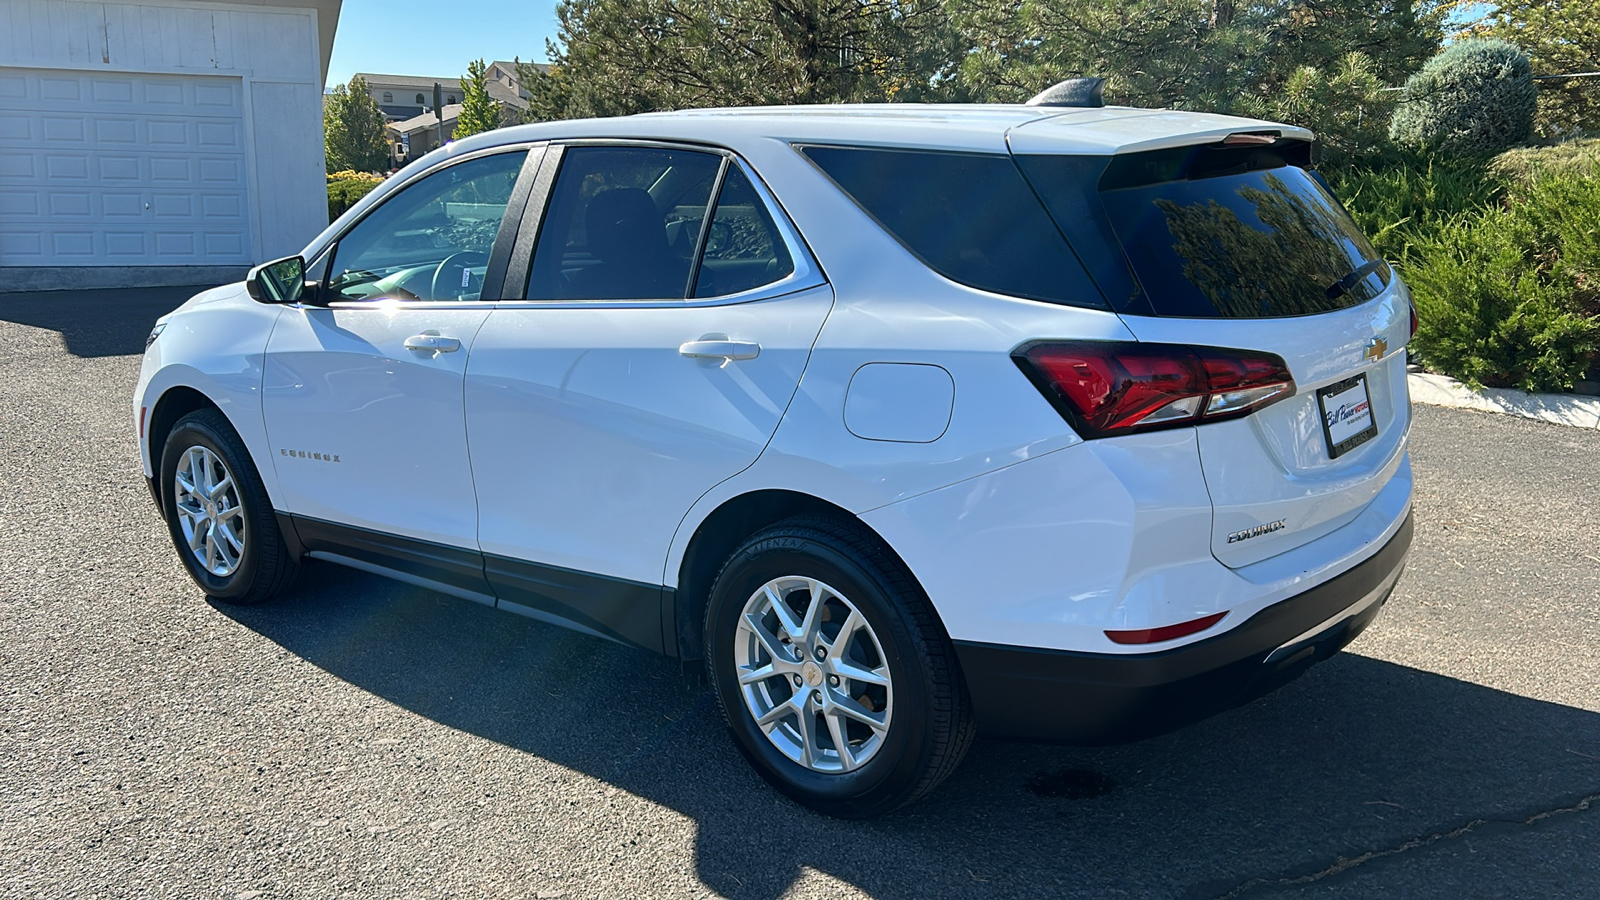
[[1342, 286]]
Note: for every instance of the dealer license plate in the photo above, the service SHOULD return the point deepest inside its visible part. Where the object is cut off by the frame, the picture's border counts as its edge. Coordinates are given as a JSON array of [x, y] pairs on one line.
[[1347, 420]]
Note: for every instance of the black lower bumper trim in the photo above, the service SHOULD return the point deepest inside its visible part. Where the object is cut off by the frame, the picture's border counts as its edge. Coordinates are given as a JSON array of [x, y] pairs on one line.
[[1061, 696]]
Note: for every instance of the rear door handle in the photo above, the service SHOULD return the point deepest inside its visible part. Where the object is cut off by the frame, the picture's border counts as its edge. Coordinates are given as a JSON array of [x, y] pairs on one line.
[[717, 346], [432, 342]]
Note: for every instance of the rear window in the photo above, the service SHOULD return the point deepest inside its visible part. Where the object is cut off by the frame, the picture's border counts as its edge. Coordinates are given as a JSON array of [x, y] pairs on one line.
[[970, 217], [1226, 233]]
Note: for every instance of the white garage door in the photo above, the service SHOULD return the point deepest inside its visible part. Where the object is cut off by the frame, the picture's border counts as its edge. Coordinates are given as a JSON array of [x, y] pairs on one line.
[[110, 169]]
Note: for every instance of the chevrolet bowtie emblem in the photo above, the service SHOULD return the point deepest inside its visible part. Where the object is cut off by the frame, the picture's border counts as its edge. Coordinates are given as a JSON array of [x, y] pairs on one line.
[[1376, 348]]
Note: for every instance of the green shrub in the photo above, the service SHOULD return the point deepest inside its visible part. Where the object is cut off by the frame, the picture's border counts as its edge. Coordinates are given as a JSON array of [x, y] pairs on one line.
[[1506, 297], [1476, 97], [1408, 196], [1579, 157], [345, 188]]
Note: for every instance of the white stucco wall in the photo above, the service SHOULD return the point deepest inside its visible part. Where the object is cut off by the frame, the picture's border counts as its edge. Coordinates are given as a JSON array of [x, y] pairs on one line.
[[275, 53]]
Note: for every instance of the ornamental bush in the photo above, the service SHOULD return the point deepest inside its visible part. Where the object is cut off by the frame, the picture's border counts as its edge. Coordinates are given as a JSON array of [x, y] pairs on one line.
[[1510, 297], [1475, 98], [345, 188]]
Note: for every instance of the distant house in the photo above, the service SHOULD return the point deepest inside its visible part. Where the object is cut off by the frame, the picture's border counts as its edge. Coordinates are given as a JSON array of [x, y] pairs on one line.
[[150, 142], [407, 96], [404, 96], [419, 132]]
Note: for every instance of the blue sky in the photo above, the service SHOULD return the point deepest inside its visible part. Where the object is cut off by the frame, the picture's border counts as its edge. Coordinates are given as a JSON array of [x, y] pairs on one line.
[[437, 39]]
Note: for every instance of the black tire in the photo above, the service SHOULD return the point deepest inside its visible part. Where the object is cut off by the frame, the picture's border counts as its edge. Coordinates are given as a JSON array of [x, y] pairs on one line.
[[932, 724], [265, 565]]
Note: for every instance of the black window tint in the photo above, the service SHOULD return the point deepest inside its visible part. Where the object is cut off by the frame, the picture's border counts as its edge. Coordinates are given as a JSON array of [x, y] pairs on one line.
[[1217, 234], [622, 223], [743, 248], [970, 217], [430, 241]]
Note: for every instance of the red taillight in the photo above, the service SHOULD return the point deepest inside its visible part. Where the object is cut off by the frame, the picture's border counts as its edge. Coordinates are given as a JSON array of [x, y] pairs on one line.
[[1413, 306], [1165, 632], [1116, 387]]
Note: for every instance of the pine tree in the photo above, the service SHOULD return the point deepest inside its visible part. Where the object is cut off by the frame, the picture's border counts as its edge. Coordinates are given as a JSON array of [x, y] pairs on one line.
[[479, 111], [1217, 55], [1562, 37], [353, 130], [616, 57]]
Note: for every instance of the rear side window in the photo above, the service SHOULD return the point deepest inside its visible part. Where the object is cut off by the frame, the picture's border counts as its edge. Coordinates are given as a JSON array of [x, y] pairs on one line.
[[743, 248], [970, 217], [1219, 233]]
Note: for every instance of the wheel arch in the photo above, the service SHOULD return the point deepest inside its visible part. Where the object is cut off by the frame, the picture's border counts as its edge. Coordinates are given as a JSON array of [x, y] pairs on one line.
[[719, 534], [173, 404]]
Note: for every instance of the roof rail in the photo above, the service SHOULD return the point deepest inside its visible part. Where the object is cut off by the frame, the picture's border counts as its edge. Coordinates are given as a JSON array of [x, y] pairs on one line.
[[1078, 92]]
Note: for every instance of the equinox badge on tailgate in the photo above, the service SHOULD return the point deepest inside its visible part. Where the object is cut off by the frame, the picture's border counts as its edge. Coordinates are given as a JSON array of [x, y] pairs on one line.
[[1257, 531]]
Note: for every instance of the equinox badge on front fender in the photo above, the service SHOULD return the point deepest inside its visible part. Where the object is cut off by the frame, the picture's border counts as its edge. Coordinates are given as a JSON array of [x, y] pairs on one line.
[[1259, 530]]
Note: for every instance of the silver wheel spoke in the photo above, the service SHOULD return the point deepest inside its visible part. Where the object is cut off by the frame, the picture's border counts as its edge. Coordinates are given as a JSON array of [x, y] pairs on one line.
[[852, 623], [811, 624], [851, 671], [851, 709], [784, 613], [806, 721], [769, 642], [216, 490], [841, 744], [754, 676]]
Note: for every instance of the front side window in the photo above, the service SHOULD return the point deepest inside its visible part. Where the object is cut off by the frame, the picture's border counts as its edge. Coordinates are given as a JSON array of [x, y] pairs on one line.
[[431, 241], [623, 223]]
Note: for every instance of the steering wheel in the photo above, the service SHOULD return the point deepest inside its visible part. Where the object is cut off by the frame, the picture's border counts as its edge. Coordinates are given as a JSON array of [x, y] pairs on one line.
[[454, 277]]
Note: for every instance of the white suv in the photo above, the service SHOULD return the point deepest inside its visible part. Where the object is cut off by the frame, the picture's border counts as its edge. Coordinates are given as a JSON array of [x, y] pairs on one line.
[[1065, 424]]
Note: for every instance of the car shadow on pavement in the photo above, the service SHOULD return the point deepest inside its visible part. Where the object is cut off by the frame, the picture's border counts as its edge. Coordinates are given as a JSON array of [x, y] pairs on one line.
[[99, 322], [1358, 757]]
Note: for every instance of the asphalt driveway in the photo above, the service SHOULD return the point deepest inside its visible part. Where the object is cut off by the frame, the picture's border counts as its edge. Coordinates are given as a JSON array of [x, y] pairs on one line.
[[368, 738]]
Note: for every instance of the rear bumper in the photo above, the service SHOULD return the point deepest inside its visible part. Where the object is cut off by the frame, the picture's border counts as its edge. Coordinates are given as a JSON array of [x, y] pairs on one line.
[[1063, 696]]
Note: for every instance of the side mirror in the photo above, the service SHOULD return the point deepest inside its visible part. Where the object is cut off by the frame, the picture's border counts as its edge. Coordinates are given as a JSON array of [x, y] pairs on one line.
[[279, 281]]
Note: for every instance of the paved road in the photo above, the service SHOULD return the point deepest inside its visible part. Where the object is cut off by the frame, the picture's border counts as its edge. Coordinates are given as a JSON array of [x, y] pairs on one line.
[[366, 738]]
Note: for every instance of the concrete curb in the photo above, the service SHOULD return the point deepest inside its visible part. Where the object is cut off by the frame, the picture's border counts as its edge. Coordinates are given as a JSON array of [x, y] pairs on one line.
[[1574, 410]]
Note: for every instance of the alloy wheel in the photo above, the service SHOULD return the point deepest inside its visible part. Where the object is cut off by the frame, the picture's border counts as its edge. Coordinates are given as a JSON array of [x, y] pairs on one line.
[[210, 513], [813, 674]]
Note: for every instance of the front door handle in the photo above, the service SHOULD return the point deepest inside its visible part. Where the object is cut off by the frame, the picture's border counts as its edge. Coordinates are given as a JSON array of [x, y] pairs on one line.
[[432, 342], [717, 346]]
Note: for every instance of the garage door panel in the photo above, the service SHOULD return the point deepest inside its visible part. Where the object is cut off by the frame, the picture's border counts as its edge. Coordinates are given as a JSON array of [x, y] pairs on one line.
[[108, 169], [16, 127], [65, 204], [122, 205], [221, 170], [111, 132], [19, 203], [108, 90], [126, 244]]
